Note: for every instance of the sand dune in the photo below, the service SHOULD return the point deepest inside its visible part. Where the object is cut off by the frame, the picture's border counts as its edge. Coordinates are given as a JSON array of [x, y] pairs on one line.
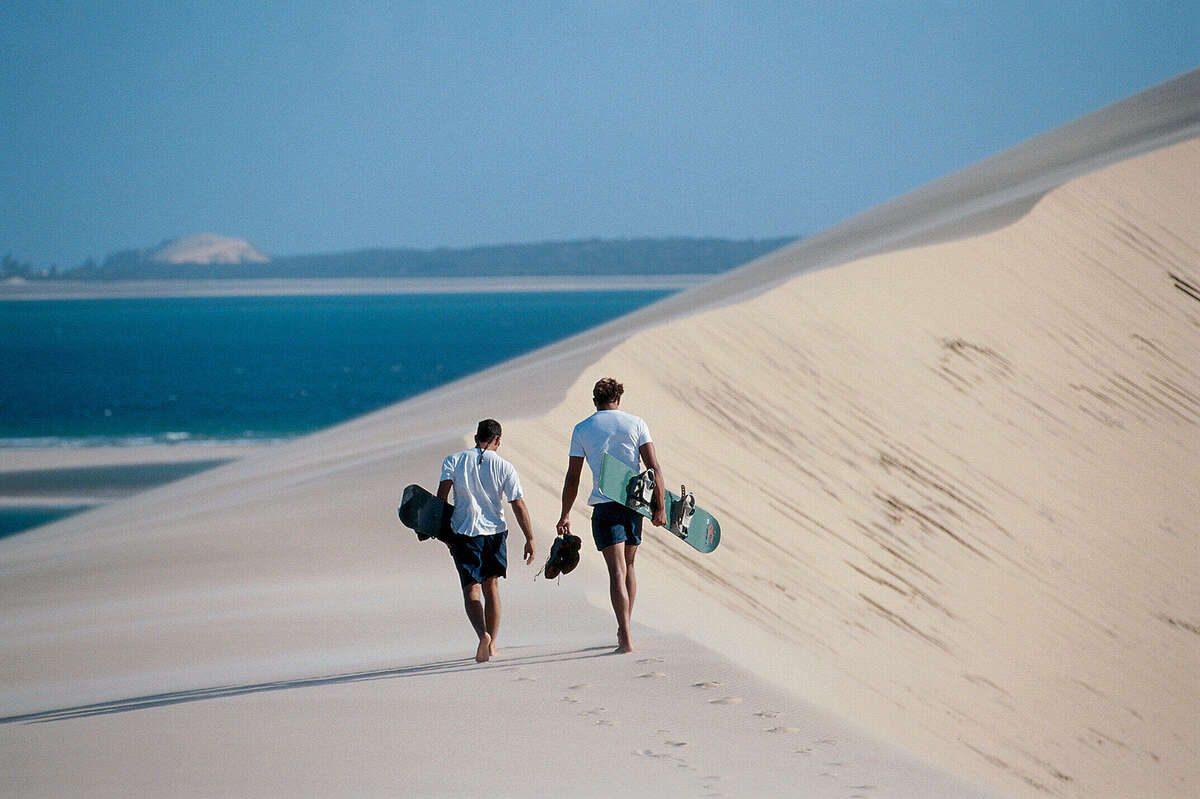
[[957, 476], [959, 482], [207, 248]]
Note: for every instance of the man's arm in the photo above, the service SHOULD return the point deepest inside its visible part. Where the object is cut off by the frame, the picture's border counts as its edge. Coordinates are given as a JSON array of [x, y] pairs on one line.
[[569, 492], [522, 514], [659, 505], [444, 490]]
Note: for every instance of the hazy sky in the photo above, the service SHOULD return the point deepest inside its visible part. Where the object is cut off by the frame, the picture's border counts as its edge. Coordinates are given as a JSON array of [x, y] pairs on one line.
[[323, 126]]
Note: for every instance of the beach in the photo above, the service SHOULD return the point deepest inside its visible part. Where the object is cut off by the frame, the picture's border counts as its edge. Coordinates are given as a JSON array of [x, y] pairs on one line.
[[953, 446], [306, 287]]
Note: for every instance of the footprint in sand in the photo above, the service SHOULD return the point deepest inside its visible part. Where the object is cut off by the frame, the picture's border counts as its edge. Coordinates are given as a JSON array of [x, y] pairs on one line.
[[652, 675], [596, 711], [768, 714], [726, 700], [706, 685], [570, 699], [783, 730], [579, 687], [606, 723], [826, 741], [651, 660], [526, 678], [804, 751], [676, 743], [657, 755]]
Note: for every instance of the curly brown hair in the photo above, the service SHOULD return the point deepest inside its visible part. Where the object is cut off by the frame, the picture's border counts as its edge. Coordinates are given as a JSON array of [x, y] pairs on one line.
[[607, 390]]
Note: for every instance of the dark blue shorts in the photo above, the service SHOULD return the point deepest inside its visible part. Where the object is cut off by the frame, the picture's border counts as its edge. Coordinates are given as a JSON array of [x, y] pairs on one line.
[[613, 523], [479, 557]]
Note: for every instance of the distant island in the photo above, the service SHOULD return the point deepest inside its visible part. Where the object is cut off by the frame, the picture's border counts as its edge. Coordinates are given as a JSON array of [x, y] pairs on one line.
[[209, 256]]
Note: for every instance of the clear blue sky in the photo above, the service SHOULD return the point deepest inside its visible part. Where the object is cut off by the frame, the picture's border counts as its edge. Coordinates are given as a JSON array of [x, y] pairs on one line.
[[317, 126]]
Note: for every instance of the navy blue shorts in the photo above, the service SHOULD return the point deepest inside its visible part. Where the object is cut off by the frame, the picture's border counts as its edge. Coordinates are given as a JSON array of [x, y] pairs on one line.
[[479, 557], [613, 523]]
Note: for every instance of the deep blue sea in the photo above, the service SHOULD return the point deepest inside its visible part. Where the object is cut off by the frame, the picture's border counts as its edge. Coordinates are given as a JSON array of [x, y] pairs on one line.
[[240, 369]]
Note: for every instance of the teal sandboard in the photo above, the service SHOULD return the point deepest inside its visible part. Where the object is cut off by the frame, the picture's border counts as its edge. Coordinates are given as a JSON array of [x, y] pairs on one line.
[[703, 532]]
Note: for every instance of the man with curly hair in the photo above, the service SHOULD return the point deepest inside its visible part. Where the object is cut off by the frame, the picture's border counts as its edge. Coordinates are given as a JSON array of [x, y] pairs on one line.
[[616, 529]]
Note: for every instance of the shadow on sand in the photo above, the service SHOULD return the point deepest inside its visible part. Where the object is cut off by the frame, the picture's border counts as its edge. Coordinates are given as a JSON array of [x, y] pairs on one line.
[[225, 691]]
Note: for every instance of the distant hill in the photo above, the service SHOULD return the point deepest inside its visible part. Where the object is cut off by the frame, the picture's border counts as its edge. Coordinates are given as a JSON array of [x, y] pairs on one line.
[[210, 256], [206, 248]]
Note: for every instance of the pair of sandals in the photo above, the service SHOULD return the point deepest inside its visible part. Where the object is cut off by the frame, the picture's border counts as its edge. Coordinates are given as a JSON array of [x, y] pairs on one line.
[[564, 556]]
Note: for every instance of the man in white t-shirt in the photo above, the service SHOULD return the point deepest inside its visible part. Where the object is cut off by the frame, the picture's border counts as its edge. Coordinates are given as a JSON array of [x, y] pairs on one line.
[[482, 482], [616, 529]]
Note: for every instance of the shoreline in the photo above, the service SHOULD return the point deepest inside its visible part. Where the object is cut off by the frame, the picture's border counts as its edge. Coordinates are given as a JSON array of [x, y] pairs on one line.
[[297, 287], [40, 485], [29, 459], [99, 482]]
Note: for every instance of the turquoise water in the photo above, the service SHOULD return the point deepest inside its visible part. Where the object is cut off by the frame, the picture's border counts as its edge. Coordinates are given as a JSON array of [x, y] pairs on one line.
[[132, 371], [16, 520]]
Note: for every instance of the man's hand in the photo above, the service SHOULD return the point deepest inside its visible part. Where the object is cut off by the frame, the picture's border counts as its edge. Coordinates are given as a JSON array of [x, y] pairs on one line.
[[522, 514], [564, 526], [658, 512]]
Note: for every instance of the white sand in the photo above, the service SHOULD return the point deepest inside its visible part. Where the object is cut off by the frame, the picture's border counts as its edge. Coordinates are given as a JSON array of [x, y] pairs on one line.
[[958, 486], [30, 458], [286, 287], [57, 476], [267, 628]]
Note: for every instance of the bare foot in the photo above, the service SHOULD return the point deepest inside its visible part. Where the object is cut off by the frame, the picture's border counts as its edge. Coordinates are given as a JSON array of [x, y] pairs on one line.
[[492, 650], [484, 653], [624, 644]]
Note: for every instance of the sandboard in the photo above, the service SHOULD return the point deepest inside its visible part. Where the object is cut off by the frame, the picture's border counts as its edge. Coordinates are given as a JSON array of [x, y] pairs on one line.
[[702, 531], [424, 513]]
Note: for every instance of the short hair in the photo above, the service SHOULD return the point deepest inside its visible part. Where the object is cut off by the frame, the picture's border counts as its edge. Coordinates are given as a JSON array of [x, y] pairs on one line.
[[607, 390], [488, 430]]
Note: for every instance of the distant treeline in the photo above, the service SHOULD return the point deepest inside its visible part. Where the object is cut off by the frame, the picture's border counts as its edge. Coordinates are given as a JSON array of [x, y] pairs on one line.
[[12, 268], [590, 257]]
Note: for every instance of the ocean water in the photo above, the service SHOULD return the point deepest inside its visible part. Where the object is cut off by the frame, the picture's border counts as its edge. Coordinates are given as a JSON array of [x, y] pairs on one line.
[[18, 519], [246, 369]]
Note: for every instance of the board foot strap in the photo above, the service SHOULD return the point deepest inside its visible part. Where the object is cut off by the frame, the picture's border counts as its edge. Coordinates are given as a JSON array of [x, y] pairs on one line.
[[682, 512], [640, 491]]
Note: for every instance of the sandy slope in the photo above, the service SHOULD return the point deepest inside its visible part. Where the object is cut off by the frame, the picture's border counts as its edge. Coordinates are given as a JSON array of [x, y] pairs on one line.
[[959, 491], [960, 482], [267, 629]]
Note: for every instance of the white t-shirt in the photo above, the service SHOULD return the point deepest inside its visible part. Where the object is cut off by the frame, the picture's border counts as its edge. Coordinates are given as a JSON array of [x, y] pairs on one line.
[[481, 487], [618, 433]]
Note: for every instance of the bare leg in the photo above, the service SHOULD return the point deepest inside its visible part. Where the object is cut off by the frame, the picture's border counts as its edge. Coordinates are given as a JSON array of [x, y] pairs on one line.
[[630, 575], [618, 592], [473, 600], [491, 611]]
